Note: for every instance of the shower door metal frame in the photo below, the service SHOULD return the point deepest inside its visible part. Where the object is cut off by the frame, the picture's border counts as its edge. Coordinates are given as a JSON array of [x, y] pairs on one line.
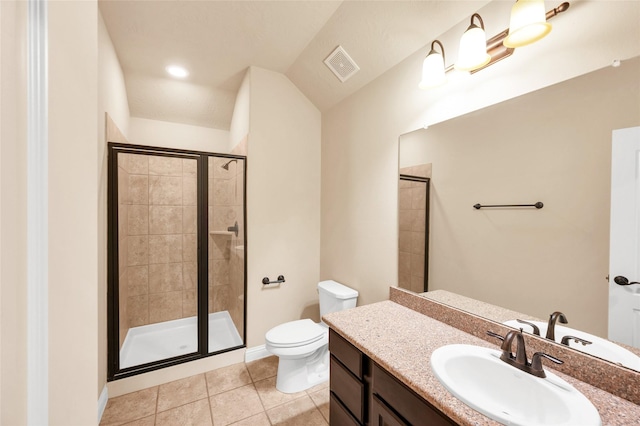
[[114, 372], [427, 182]]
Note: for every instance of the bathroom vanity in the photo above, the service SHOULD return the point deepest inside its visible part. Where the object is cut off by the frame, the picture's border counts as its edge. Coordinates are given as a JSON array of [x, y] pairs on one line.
[[381, 373], [363, 392]]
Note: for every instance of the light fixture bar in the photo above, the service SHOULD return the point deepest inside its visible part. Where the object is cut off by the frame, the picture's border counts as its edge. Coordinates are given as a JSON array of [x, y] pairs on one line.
[[498, 51]]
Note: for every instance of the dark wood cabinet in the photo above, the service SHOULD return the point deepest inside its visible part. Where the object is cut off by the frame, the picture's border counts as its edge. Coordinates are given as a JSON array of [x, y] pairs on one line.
[[363, 393]]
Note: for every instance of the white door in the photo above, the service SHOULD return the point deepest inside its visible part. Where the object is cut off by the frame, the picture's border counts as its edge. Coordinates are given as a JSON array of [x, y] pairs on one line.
[[624, 257]]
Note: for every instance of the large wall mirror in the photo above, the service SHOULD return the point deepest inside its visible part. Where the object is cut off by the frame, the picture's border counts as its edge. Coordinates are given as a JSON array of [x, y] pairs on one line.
[[551, 146]]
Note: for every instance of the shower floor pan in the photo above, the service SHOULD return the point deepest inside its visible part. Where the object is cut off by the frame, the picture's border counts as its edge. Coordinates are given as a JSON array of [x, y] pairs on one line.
[[148, 343]]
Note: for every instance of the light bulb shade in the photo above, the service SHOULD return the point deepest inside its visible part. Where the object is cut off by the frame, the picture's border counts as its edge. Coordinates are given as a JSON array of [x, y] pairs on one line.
[[432, 71], [472, 53], [528, 23]]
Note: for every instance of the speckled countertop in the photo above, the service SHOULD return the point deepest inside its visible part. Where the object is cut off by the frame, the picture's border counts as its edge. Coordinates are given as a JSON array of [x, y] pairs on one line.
[[401, 340]]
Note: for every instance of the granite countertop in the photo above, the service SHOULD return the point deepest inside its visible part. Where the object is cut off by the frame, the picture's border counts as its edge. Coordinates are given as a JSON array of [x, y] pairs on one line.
[[401, 340]]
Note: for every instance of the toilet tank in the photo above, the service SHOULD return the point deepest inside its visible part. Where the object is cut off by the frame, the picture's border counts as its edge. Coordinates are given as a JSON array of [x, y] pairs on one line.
[[335, 297]]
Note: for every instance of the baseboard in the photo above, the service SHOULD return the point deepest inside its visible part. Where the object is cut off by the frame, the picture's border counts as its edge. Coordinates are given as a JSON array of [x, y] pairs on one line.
[[102, 402], [255, 353]]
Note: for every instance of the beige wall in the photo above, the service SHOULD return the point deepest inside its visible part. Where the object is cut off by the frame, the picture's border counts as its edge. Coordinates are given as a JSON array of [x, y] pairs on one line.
[[112, 100], [283, 203], [554, 146], [13, 212], [359, 135], [143, 131], [73, 212]]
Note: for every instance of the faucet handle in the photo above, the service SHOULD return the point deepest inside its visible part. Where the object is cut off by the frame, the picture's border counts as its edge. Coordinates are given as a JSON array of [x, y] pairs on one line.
[[566, 339], [496, 335], [536, 363], [536, 329]]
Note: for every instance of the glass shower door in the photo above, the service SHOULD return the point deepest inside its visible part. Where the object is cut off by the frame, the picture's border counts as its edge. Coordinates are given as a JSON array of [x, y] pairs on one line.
[[158, 265]]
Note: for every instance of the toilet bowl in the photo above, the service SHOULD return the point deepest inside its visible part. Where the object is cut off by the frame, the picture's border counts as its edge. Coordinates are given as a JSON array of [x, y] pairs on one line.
[[302, 346]]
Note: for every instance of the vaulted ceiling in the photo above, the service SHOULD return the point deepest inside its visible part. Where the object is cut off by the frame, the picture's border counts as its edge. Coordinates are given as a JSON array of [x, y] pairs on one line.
[[218, 40]]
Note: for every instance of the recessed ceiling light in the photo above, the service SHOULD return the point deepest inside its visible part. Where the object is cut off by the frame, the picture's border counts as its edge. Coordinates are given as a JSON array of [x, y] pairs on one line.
[[176, 71]]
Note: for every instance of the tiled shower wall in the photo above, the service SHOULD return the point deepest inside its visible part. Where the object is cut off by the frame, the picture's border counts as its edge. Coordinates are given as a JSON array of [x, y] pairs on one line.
[[226, 250], [158, 241], [411, 244]]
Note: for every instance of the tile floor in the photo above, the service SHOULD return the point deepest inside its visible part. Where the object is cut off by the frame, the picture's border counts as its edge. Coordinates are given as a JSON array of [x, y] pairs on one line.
[[240, 395]]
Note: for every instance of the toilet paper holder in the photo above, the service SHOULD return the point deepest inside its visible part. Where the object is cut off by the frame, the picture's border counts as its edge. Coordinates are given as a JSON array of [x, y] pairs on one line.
[[266, 281]]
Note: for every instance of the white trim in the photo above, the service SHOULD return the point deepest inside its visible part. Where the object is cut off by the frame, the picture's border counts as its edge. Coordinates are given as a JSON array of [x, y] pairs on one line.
[[255, 353], [37, 213], [102, 402]]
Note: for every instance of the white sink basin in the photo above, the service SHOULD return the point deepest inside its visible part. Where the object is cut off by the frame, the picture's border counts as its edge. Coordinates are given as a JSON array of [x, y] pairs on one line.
[[599, 347], [478, 377]]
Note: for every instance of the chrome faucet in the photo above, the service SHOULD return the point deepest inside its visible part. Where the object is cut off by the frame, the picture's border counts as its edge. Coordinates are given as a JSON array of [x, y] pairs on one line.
[[519, 360], [551, 327]]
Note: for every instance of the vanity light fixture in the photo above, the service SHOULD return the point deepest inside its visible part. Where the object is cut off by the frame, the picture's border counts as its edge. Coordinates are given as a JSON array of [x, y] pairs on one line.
[[177, 71], [528, 23], [433, 68], [496, 48], [472, 53]]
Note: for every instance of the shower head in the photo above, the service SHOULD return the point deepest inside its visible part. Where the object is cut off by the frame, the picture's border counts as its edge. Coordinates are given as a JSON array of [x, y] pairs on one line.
[[226, 165]]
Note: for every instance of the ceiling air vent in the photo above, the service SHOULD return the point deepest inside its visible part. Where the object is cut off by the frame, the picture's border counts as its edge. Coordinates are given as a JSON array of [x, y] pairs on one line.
[[341, 64]]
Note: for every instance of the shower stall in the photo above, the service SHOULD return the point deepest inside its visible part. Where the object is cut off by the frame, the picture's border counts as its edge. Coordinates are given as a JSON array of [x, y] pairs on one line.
[[176, 256]]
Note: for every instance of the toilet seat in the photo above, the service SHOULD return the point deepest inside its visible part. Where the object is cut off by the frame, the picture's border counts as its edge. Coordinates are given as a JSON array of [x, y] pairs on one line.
[[295, 333]]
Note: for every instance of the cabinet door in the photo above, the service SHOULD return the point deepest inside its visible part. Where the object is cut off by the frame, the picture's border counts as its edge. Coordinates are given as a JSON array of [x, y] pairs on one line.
[[381, 415]]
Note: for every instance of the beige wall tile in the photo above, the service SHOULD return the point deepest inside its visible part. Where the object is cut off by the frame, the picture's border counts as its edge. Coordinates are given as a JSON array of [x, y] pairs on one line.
[[219, 246], [165, 190], [189, 248], [219, 269], [123, 254], [138, 219], [189, 191], [165, 248], [165, 306], [418, 223], [190, 275], [138, 250], [164, 277], [189, 303], [123, 186], [404, 198], [138, 280], [417, 284], [165, 219], [405, 240], [224, 217], [123, 220], [404, 262], [417, 265], [406, 219], [166, 166], [418, 197], [138, 310], [138, 189], [189, 219], [222, 298], [137, 164], [189, 167], [210, 190], [417, 242], [223, 192]]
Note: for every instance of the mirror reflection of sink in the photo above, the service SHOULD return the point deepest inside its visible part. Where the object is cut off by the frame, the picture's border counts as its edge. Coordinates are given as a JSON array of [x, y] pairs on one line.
[[478, 377], [599, 347]]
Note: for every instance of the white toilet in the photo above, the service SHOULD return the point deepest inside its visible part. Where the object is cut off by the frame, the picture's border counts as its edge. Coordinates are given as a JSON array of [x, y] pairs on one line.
[[303, 346]]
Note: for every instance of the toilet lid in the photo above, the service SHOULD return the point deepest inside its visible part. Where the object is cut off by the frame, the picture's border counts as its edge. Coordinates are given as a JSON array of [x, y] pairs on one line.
[[295, 333]]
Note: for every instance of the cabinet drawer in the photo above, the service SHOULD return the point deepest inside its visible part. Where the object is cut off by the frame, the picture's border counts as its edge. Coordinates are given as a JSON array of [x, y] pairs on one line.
[[381, 415], [412, 407], [348, 355], [348, 389], [338, 415]]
